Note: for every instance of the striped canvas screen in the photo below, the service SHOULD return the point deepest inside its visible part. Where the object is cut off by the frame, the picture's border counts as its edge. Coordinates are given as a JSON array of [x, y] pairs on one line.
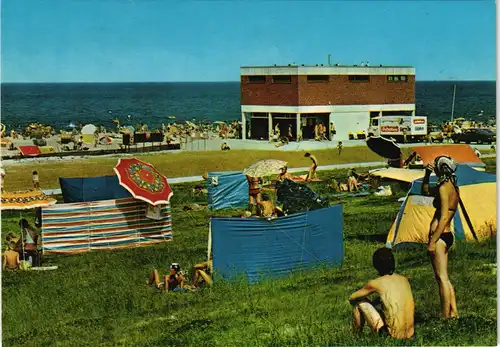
[[109, 224]]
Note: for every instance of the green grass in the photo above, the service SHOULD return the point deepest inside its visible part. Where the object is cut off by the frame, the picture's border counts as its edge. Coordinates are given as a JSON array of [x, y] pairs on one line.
[[101, 298]]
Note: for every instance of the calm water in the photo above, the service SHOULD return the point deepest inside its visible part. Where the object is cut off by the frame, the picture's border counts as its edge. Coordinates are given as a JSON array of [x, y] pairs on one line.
[[98, 103]]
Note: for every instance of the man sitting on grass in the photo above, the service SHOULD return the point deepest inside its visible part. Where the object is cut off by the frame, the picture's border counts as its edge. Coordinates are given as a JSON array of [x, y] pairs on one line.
[[396, 316]]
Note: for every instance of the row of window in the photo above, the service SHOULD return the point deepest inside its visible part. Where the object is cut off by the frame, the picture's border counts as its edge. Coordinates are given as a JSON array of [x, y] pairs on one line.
[[322, 78]]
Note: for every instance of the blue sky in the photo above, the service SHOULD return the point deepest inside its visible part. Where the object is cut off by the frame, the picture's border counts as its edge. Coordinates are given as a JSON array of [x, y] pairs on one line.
[[149, 40]]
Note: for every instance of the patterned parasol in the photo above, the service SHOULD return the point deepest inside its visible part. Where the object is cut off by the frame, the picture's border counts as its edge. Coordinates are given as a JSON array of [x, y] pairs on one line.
[[264, 168], [143, 181], [25, 200]]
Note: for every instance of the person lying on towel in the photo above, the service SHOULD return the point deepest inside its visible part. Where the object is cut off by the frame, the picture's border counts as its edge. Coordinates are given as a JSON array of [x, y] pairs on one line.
[[395, 318], [172, 283]]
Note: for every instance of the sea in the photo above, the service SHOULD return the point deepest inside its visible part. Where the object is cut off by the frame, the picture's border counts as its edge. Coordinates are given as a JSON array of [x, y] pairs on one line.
[[64, 104]]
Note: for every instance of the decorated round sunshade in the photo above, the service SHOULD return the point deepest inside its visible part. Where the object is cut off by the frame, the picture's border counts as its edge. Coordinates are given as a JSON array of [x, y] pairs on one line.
[[143, 181], [25, 200], [264, 168]]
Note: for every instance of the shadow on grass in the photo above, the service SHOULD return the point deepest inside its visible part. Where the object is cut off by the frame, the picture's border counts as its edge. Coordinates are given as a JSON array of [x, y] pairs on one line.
[[371, 238]]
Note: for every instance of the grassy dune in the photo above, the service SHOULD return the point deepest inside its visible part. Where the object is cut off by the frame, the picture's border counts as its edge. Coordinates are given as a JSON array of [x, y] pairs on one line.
[[178, 164], [102, 298]]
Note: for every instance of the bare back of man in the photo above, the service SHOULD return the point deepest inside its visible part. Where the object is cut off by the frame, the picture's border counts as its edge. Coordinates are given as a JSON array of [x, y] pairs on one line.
[[11, 259], [397, 306]]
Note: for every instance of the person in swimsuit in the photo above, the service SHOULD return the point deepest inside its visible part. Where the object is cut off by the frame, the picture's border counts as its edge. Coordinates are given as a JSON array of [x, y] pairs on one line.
[[172, 283], [446, 199], [392, 312], [284, 174], [253, 192], [30, 238], [312, 171]]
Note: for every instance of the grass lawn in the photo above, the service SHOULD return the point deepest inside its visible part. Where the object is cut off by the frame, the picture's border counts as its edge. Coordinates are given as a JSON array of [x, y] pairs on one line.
[[176, 164], [101, 298]]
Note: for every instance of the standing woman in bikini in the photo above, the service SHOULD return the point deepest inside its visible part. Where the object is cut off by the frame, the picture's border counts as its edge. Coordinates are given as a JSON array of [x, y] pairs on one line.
[[446, 199]]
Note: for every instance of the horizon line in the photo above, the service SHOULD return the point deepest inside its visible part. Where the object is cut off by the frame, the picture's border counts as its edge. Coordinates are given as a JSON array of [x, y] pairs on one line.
[[237, 81]]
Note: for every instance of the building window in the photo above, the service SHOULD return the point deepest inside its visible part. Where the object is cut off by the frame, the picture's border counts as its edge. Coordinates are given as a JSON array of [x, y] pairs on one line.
[[317, 78], [397, 78], [282, 79], [359, 78], [256, 79]]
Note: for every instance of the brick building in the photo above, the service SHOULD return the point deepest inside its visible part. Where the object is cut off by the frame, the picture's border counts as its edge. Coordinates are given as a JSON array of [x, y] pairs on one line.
[[302, 96]]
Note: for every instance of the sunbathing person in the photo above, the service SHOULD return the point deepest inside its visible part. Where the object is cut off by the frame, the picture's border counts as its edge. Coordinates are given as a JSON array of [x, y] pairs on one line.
[[202, 273], [312, 171], [172, 283], [284, 175], [265, 206], [352, 184], [253, 192], [395, 318], [10, 258]]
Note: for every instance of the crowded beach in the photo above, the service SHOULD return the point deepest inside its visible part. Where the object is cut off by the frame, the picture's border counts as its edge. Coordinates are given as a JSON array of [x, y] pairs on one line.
[[44, 140]]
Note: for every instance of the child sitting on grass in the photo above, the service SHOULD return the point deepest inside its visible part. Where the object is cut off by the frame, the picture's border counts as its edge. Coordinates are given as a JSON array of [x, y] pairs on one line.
[[396, 316], [11, 258]]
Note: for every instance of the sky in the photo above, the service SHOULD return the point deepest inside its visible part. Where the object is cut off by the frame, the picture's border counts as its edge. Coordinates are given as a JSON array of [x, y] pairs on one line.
[[171, 41]]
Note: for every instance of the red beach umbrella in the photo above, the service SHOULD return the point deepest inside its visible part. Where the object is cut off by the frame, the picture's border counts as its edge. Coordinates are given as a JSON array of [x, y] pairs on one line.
[[143, 181]]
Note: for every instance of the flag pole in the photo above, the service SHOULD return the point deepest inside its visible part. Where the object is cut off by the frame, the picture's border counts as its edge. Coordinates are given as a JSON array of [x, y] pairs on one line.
[[453, 103]]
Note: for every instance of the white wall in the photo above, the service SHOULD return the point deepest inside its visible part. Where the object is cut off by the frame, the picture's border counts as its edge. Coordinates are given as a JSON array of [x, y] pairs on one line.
[[346, 122]]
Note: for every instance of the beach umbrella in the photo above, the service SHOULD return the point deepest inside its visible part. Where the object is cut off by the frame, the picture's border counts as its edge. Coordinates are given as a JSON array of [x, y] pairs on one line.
[[143, 181], [384, 147], [89, 129], [25, 200], [265, 168], [105, 140]]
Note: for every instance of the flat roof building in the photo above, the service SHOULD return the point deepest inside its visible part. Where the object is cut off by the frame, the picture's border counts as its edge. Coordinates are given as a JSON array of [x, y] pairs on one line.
[[294, 99]]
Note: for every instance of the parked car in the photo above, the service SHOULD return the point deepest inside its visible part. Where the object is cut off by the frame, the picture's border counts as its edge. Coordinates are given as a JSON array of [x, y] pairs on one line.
[[435, 134], [475, 135]]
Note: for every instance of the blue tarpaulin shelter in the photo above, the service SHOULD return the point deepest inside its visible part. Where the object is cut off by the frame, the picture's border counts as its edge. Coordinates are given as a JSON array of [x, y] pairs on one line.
[[92, 189], [227, 190], [258, 246]]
